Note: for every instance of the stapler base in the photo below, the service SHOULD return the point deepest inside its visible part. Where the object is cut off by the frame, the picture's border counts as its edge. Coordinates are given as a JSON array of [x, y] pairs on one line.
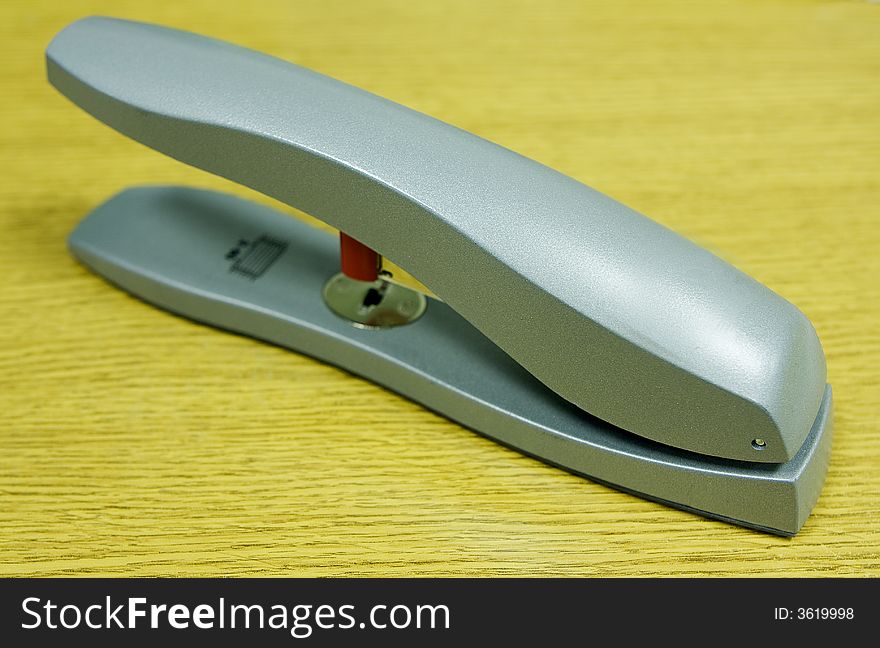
[[249, 269]]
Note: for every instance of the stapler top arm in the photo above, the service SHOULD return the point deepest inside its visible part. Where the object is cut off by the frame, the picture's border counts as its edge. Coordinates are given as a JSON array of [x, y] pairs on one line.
[[616, 313]]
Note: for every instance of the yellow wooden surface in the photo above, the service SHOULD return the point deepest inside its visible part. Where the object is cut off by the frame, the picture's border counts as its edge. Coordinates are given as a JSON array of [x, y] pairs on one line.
[[136, 443]]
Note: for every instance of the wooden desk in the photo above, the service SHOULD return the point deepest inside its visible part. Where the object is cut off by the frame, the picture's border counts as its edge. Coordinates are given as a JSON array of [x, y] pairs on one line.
[[136, 443]]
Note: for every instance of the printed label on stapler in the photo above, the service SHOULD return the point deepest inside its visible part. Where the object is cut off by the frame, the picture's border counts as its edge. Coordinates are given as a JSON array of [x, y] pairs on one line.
[[253, 258]]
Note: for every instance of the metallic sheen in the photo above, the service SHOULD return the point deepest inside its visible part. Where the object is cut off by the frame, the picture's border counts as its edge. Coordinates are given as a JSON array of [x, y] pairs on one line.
[[169, 246], [373, 304], [612, 311]]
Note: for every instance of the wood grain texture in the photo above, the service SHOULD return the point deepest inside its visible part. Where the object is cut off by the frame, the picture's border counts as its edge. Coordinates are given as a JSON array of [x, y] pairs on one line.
[[136, 443]]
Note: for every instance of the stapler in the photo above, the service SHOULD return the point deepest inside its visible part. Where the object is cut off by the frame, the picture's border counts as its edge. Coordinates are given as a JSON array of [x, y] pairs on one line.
[[561, 322]]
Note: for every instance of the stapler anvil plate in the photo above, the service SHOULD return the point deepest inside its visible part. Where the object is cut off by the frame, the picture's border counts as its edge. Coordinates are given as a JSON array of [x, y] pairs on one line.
[[571, 327]]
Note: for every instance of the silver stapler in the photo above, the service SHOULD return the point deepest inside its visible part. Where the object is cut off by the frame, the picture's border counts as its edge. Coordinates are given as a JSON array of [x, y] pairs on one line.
[[562, 323]]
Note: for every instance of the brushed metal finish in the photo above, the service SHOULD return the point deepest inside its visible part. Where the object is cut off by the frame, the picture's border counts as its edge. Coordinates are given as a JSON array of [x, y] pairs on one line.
[[612, 308], [169, 246]]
